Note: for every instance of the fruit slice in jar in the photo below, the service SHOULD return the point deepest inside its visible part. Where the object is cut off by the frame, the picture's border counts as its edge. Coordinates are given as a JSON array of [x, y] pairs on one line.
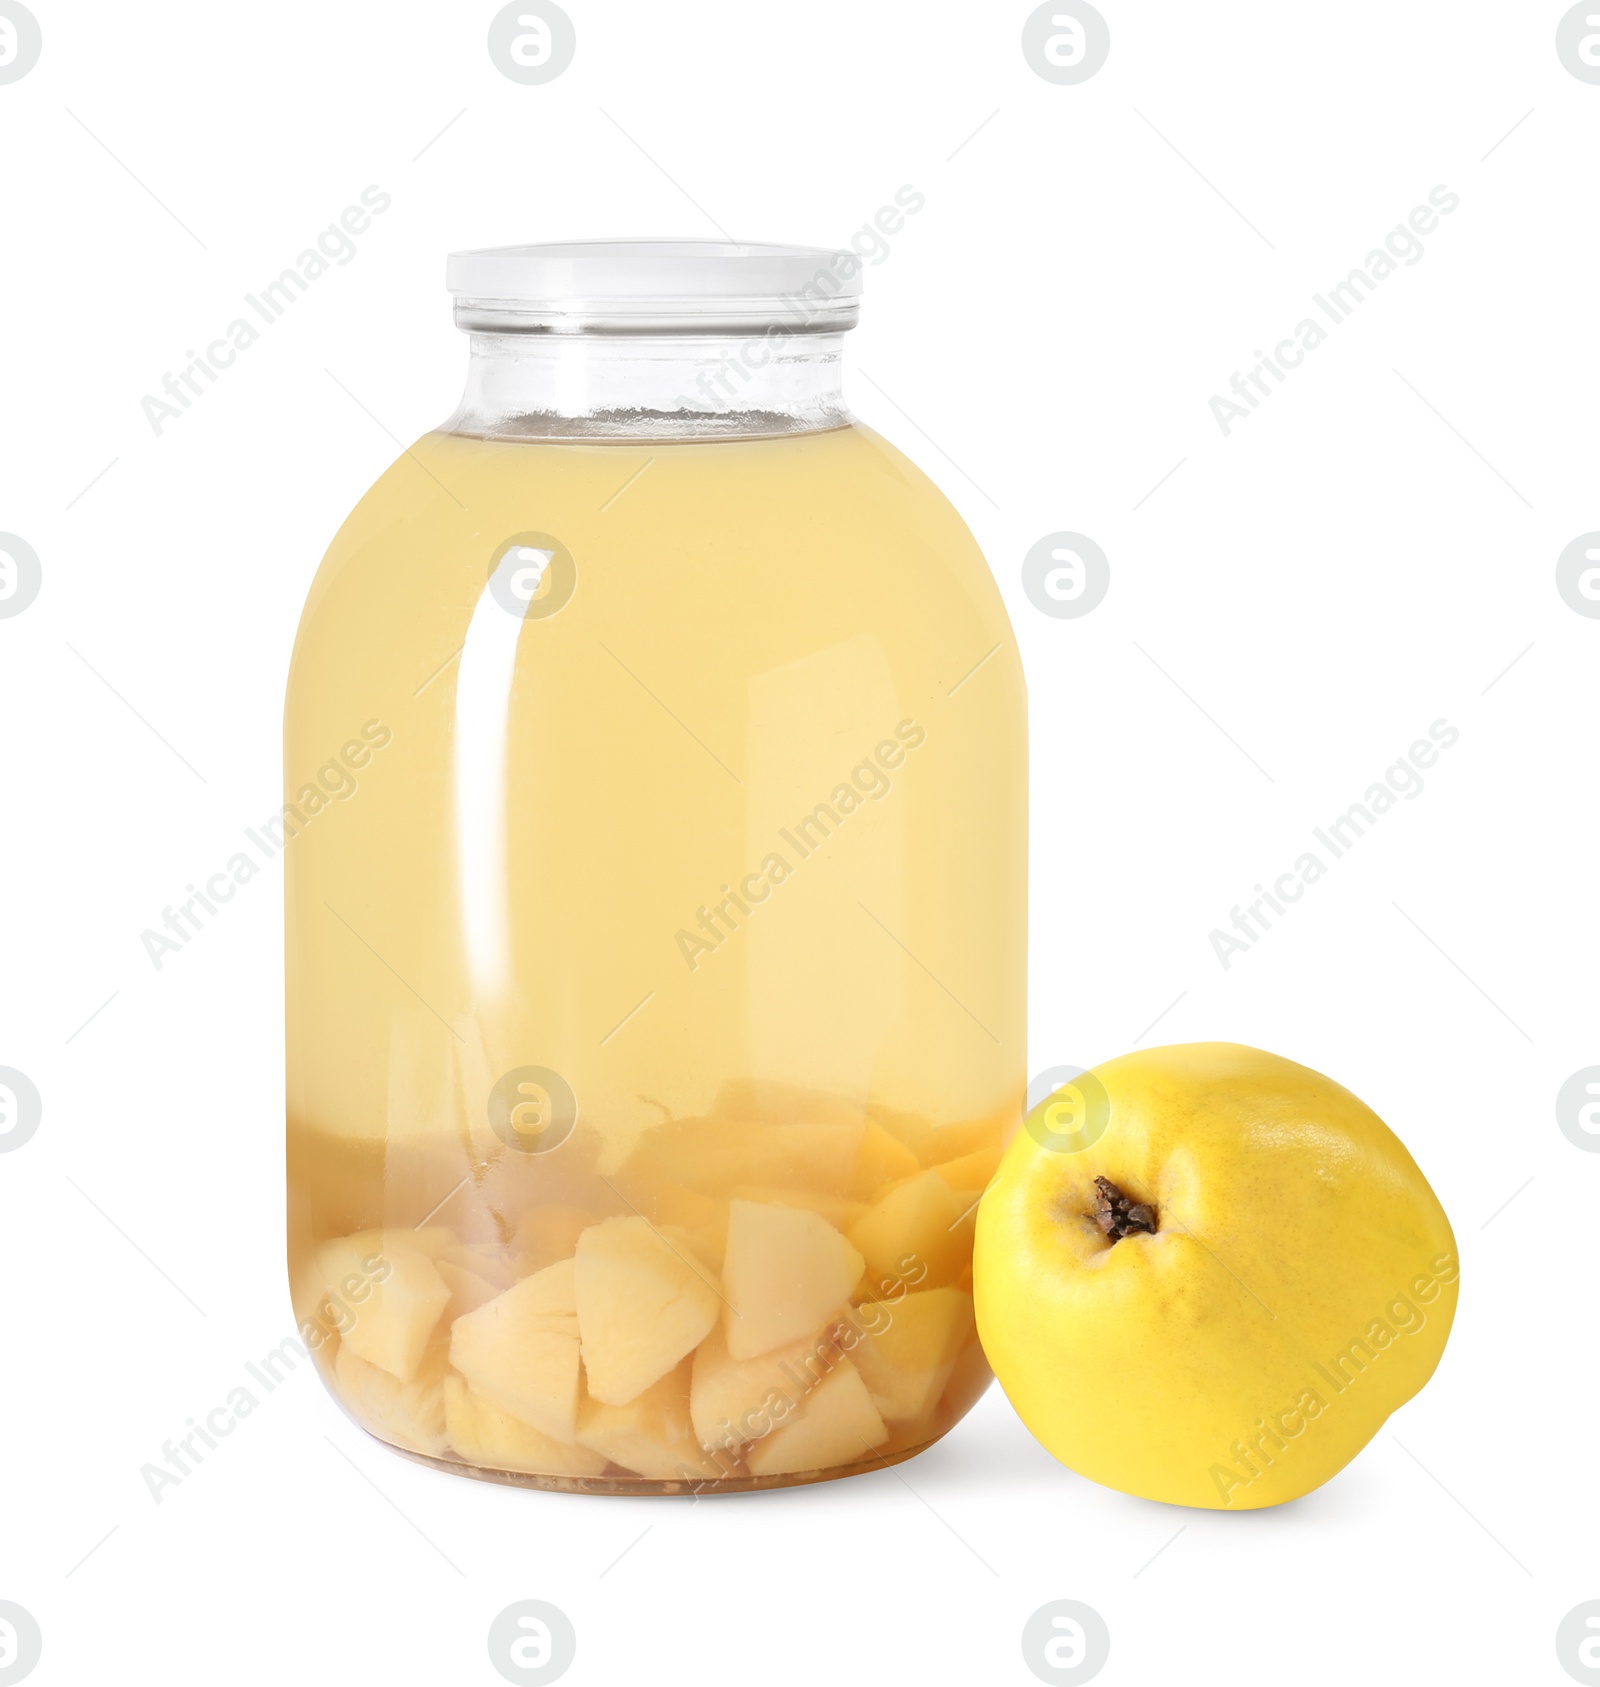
[[969, 1136], [652, 1435], [968, 1380], [644, 1301], [836, 1423], [468, 1291], [909, 1347], [520, 1351], [970, 1171], [881, 1159], [392, 1294], [786, 1272], [736, 1401], [553, 1290], [919, 1223], [410, 1414], [481, 1433]]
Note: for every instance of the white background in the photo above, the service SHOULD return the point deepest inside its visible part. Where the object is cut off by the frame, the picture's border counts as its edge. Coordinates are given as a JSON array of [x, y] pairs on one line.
[[1091, 266]]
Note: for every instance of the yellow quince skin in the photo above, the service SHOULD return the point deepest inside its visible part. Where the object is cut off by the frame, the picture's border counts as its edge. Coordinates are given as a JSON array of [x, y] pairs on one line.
[[1217, 1287]]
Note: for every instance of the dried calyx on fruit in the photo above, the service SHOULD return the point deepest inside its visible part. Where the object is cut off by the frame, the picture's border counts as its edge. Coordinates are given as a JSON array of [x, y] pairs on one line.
[[1117, 1216]]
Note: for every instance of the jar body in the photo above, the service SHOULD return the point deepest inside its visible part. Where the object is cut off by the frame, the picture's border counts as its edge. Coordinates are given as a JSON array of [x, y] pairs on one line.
[[656, 962]]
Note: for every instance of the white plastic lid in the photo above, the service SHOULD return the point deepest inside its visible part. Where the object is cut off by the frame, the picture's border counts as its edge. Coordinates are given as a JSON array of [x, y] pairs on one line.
[[654, 287]]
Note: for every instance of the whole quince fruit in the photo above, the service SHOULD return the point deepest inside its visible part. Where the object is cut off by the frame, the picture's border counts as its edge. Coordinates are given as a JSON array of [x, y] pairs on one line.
[[1206, 1275]]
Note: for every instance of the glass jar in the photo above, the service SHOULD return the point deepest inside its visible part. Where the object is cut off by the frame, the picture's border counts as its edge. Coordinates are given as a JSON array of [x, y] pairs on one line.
[[655, 754]]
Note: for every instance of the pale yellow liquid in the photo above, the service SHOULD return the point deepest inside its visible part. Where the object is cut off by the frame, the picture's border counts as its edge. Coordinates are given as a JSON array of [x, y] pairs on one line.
[[519, 874]]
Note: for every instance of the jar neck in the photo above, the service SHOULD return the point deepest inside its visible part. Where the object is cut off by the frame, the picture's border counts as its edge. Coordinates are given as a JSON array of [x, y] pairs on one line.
[[646, 386]]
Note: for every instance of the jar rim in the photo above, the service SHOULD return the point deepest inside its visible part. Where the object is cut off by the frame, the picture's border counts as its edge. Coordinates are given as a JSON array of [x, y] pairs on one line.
[[654, 287]]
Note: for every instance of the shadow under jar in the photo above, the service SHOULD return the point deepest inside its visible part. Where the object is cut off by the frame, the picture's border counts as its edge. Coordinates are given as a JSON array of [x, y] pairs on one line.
[[655, 754]]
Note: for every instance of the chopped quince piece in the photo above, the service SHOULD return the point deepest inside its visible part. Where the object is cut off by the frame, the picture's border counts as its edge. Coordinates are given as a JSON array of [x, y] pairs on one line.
[[786, 1272], [970, 1171], [968, 1380], [735, 1401], [881, 1159], [909, 1347], [315, 1310], [836, 1423], [969, 1136], [391, 1293], [875, 1286], [520, 1352], [411, 1414], [468, 1291], [652, 1435], [913, 1129], [483, 1434], [644, 1300], [553, 1290], [919, 1232]]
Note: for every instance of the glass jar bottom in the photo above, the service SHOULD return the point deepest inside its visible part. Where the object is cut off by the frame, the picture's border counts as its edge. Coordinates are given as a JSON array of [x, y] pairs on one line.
[[636, 1486]]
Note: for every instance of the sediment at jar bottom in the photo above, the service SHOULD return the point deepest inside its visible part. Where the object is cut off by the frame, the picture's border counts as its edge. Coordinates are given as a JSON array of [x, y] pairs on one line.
[[741, 1299]]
